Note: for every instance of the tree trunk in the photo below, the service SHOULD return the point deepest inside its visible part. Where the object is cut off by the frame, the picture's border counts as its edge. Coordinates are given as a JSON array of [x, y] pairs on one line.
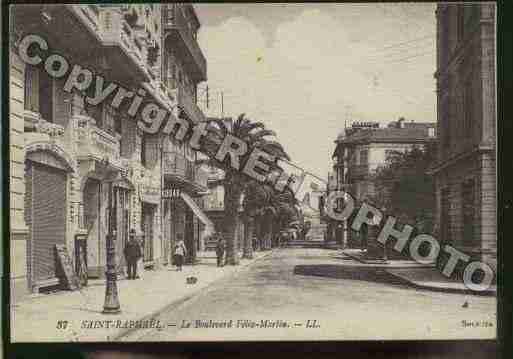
[[231, 205], [248, 239], [267, 231], [258, 232]]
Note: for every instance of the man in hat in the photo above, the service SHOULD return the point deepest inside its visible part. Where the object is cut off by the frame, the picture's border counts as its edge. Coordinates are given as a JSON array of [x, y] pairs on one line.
[[132, 254], [220, 249]]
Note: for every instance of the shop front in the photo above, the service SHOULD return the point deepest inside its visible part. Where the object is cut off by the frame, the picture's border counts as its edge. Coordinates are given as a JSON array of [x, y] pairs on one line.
[[95, 194], [46, 199], [185, 219], [150, 201]]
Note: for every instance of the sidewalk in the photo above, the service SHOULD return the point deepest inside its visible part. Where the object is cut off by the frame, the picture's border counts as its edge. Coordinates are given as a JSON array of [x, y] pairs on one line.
[[359, 255], [432, 279], [411, 273], [36, 318]]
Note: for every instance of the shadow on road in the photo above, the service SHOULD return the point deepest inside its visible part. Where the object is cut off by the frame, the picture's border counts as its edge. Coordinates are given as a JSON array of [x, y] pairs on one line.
[[343, 272]]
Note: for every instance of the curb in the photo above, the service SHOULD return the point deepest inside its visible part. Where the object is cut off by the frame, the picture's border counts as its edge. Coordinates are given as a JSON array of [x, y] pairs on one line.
[[183, 300], [489, 292], [378, 263]]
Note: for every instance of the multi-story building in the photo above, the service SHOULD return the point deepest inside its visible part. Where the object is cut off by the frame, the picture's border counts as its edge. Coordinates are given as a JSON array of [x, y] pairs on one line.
[[65, 154], [465, 172], [183, 67], [359, 151]]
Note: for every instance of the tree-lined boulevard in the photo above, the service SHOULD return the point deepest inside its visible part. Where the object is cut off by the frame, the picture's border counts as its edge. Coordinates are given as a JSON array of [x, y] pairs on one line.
[[295, 285]]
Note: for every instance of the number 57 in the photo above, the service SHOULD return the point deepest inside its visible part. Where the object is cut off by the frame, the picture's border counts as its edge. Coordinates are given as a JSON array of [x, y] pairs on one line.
[[62, 324]]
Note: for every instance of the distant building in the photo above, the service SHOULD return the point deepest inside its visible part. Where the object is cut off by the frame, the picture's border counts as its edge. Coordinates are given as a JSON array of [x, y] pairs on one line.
[[465, 171], [360, 150]]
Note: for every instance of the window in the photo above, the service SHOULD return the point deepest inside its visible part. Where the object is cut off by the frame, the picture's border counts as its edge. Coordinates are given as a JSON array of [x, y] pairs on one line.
[[468, 210], [143, 150], [444, 35], [170, 12], [39, 95], [467, 107], [460, 21], [446, 133], [445, 219], [32, 89], [389, 154], [109, 119], [46, 96], [364, 157]]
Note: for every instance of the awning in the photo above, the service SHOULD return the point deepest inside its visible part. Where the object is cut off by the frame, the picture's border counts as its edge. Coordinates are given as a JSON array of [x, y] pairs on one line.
[[209, 225]]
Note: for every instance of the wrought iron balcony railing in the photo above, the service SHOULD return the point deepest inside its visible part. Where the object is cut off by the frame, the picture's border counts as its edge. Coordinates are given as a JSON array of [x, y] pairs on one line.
[[174, 20]]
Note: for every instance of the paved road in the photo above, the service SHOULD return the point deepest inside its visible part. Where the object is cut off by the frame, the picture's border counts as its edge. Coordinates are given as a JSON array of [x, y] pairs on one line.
[[352, 303]]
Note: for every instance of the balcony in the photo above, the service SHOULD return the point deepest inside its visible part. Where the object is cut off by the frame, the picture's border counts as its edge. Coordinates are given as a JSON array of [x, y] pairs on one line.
[[89, 15], [212, 203], [177, 168], [186, 103], [201, 178], [38, 129], [93, 143], [359, 171], [178, 34], [127, 53]]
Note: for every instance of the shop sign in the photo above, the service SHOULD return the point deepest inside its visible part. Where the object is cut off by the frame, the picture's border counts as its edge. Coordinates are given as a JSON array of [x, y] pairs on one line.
[[171, 193]]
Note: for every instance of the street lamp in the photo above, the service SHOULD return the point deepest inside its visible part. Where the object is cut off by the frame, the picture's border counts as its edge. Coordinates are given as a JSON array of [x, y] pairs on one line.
[[111, 305]]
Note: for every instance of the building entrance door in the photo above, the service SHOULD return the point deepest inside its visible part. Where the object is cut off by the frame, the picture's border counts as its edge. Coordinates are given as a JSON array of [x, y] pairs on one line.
[[92, 196], [148, 220], [189, 236]]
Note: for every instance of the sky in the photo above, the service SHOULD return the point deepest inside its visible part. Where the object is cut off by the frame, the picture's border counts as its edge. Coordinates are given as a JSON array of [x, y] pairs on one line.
[[307, 69]]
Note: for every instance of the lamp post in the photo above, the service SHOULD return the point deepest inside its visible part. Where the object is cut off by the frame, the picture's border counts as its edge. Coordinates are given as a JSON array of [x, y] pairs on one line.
[[111, 305]]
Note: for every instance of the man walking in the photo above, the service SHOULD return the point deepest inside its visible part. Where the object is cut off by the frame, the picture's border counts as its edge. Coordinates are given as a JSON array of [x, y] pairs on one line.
[[180, 252], [132, 254], [220, 248]]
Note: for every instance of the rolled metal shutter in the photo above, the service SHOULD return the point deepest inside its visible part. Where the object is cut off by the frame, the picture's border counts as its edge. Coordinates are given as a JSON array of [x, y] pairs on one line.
[[48, 219]]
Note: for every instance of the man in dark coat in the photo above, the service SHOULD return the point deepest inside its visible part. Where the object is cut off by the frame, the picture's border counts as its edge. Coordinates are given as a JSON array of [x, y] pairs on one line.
[[132, 254], [220, 248]]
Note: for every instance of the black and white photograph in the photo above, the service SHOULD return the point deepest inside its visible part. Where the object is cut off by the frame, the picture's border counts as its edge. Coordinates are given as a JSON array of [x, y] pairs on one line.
[[220, 172]]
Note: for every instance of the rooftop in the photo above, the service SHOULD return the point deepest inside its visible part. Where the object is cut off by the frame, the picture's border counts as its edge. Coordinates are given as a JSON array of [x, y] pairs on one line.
[[397, 131]]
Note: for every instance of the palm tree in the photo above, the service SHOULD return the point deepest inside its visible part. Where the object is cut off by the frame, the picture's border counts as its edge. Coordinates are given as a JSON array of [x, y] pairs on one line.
[[256, 198], [254, 134]]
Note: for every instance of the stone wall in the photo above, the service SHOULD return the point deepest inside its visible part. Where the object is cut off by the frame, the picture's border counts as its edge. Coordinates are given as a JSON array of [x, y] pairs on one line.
[[19, 230]]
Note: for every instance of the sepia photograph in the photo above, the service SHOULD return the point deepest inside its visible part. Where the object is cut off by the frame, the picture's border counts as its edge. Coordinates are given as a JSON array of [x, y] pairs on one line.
[[200, 172]]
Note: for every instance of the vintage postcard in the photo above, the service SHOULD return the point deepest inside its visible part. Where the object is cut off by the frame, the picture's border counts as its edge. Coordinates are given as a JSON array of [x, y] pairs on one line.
[[252, 172]]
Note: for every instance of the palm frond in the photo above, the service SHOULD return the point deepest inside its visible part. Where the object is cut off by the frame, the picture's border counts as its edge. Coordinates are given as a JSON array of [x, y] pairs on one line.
[[238, 122], [220, 124], [254, 137], [252, 126], [274, 148]]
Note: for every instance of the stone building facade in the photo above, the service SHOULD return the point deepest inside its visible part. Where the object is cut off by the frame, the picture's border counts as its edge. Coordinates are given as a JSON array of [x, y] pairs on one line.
[[66, 155], [465, 172], [360, 150]]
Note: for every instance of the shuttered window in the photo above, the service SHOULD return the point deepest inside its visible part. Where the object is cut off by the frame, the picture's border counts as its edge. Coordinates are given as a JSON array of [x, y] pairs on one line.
[[31, 89], [468, 210], [48, 219], [46, 96]]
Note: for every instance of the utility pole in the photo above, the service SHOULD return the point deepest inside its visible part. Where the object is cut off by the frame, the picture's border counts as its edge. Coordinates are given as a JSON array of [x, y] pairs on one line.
[[207, 97], [111, 304], [222, 104]]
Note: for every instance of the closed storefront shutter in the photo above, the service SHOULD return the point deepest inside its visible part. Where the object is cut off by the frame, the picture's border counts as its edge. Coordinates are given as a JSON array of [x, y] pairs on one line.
[[48, 219], [28, 214]]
